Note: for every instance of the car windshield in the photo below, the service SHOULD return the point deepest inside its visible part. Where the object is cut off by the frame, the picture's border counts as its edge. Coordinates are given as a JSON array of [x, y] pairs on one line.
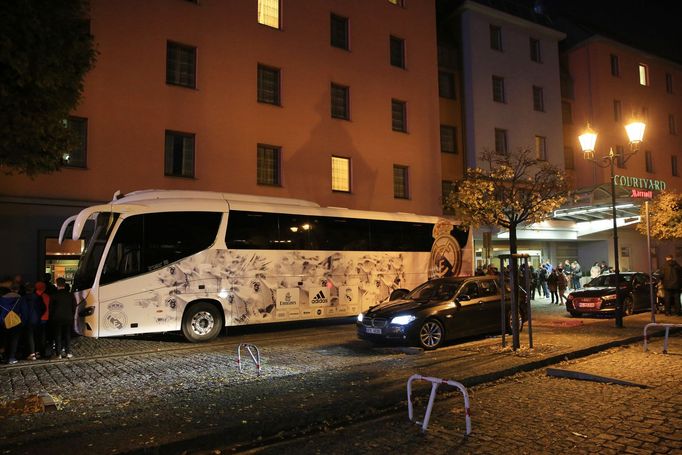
[[434, 290], [607, 280]]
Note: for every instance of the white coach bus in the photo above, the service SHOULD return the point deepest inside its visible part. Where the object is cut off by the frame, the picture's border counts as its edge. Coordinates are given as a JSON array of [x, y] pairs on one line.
[[167, 260]]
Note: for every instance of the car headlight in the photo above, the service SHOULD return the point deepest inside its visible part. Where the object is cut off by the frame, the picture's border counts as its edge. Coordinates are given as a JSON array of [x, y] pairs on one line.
[[403, 320], [361, 316], [609, 297]]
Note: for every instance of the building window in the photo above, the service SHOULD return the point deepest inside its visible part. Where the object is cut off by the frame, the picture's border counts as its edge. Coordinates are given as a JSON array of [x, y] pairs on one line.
[[500, 141], [643, 74], [649, 161], [615, 66], [268, 85], [535, 54], [495, 38], [339, 31], [400, 187], [77, 156], [399, 116], [566, 113], [179, 154], [569, 158], [541, 148], [448, 139], [673, 165], [617, 111], [397, 46], [538, 99], [340, 103], [181, 65], [668, 82], [268, 165], [446, 85], [268, 13], [340, 174], [498, 89], [672, 127], [620, 156]]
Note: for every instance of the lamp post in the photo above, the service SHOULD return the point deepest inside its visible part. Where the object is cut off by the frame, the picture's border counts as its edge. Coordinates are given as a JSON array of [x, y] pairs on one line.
[[588, 139]]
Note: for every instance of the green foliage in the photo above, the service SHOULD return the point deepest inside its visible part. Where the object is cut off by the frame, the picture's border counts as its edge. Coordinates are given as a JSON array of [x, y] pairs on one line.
[[45, 51], [510, 189], [665, 216]]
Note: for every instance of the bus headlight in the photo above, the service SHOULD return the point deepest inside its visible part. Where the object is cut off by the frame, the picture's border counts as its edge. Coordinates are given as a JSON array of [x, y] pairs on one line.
[[403, 320]]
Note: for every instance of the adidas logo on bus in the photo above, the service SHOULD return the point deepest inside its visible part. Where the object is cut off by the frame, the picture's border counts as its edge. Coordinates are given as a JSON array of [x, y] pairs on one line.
[[319, 298]]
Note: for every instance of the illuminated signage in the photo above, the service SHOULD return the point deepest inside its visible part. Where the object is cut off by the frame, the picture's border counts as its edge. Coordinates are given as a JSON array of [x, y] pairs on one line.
[[639, 193], [640, 183]]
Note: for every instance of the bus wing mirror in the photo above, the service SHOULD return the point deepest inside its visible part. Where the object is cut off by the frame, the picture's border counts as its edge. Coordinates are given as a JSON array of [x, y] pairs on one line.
[[65, 226]]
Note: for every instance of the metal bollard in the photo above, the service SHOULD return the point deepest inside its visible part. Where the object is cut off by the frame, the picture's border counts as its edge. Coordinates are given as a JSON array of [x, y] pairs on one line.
[[435, 382], [665, 339], [255, 357]]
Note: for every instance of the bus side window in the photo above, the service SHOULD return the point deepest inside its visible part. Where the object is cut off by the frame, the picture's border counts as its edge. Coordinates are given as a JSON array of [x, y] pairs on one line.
[[123, 258]]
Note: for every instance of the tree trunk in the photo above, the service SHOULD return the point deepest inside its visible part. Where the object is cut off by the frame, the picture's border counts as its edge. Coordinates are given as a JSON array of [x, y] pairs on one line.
[[513, 283]]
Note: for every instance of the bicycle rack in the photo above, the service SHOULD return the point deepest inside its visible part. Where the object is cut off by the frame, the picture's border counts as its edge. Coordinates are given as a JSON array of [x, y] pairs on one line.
[[665, 339], [250, 348], [435, 382]]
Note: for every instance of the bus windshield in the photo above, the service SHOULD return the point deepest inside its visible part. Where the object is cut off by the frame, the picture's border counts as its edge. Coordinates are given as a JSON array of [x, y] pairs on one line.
[[87, 266]]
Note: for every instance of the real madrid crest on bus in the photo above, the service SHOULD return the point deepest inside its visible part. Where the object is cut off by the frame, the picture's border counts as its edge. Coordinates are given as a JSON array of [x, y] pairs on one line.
[[446, 255]]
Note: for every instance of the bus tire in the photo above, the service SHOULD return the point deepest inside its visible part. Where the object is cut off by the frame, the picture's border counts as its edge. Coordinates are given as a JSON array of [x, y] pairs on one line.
[[202, 321]]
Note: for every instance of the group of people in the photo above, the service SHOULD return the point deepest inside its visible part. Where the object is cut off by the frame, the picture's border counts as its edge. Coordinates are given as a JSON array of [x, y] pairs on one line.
[[552, 281], [46, 314]]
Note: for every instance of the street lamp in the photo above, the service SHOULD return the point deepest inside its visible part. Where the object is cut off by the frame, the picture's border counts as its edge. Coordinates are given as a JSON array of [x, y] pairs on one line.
[[588, 139]]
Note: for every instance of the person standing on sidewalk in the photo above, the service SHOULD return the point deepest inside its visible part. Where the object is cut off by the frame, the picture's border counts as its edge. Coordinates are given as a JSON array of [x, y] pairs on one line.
[[672, 282], [552, 283], [12, 301], [562, 284], [62, 309]]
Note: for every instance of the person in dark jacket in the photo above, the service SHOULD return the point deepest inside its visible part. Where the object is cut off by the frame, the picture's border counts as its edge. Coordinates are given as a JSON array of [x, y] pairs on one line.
[[43, 340], [12, 301], [672, 282], [62, 309], [34, 309]]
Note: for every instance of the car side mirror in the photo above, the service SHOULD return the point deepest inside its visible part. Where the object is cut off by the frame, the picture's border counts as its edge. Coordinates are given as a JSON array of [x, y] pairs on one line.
[[398, 294], [463, 298]]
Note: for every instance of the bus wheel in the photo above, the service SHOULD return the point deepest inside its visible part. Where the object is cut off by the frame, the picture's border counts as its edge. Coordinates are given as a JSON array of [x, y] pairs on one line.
[[201, 322]]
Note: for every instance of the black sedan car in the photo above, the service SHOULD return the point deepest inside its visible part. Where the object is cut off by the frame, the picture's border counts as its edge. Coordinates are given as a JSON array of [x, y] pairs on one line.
[[599, 295], [436, 311]]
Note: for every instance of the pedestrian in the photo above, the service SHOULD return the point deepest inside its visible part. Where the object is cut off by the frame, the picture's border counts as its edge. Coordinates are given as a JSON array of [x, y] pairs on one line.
[[533, 281], [50, 288], [33, 311], [43, 340], [595, 271], [552, 283], [566, 268], [672, 282], [542, 280], [62, 310], [576, 274], [12, 301], [19, 280], [479, 271], [562, 284]]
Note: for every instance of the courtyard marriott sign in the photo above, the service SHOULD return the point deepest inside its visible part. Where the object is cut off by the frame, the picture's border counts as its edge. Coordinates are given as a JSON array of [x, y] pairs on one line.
[[639, 183]]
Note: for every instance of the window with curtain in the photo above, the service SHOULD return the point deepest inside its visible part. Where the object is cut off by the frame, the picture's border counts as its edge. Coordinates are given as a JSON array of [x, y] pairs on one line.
[[340, 174], [179, 154], [268, 165], [268, 85], [500, 140], [268, 13], [448, 139], [340, 102], [400, 182], [181, 64], [498, 89], [399, 116]]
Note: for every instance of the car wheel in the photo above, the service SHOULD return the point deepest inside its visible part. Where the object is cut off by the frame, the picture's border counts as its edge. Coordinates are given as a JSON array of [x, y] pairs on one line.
[[509, 323], [628, 306], [431, 334], [201, 322], [576, 314]]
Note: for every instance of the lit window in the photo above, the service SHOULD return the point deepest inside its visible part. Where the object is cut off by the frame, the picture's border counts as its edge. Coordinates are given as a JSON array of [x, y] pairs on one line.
[[538, 99], [400, 187], [617, 111], [643, 74], [340, 174], [649, 161], [498, 89], [399, 116], [339, 102], [535, 54], [339, 31], [179, 154], [446, 85], [615, 66], [76, 157], [495, 38], [448, 139], [500, 141], [268, 165], [268, 13], [268, 85], [181, 64], [397, 51], [541, 148]]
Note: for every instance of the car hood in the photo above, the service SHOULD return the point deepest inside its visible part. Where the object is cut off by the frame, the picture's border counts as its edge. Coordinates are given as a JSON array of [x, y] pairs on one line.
[[594, 292], [388, 309]]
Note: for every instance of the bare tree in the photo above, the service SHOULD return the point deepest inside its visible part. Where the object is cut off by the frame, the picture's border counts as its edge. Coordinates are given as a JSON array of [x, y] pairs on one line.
[[510, 189]]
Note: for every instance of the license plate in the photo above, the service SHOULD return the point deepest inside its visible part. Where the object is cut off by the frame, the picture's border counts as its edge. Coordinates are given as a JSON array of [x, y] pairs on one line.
[[586, 304], [373, 330]]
